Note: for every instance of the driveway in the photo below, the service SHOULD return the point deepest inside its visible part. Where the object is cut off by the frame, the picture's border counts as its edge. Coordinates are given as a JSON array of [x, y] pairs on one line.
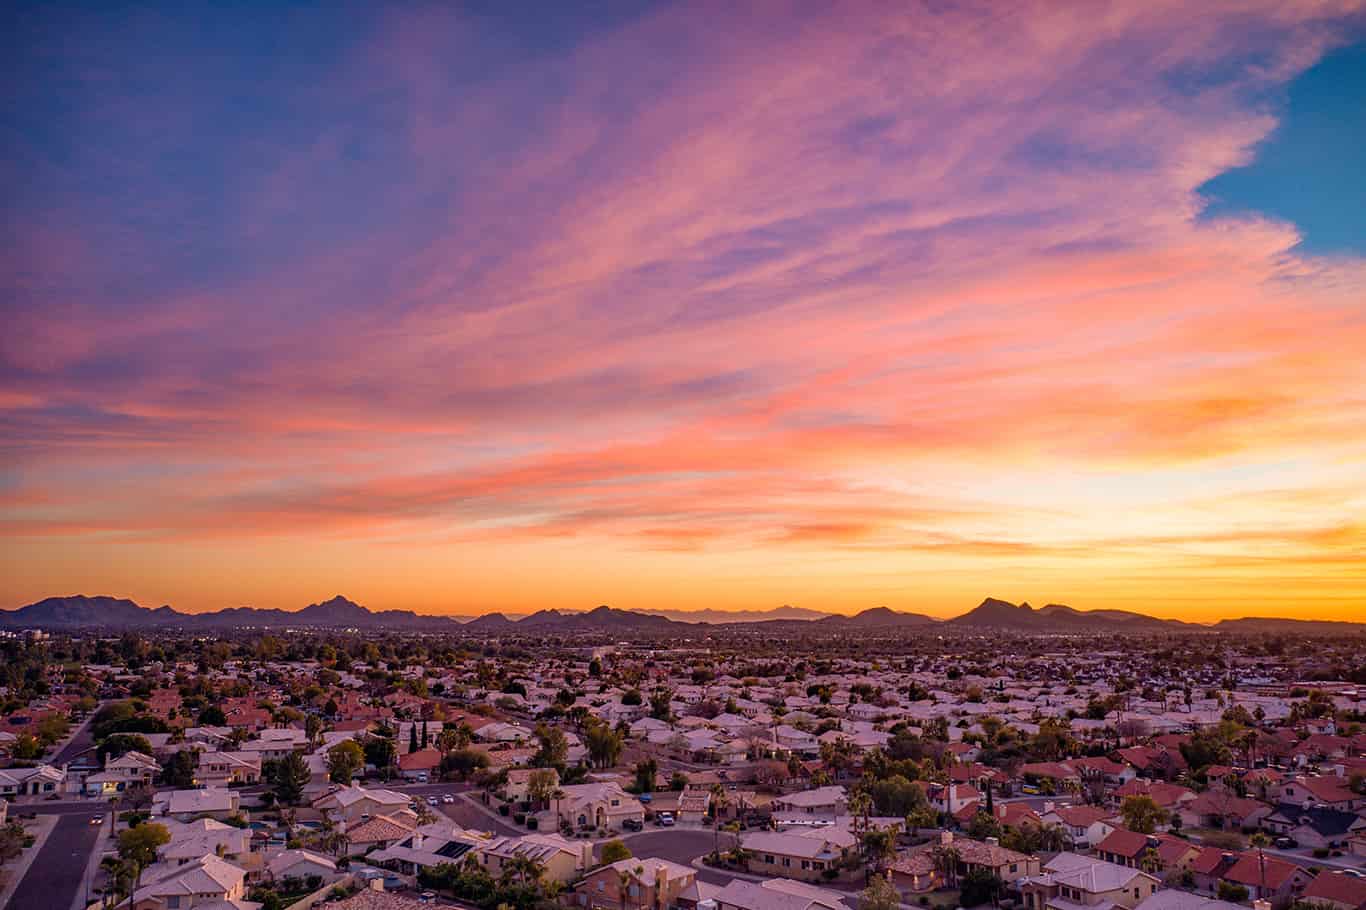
[[57, 874]]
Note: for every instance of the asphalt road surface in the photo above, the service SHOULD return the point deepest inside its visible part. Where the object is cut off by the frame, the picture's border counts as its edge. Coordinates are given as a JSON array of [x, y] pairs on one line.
[[57, 872], [81, 742], [86, 808], [677, 845], [466, 815]]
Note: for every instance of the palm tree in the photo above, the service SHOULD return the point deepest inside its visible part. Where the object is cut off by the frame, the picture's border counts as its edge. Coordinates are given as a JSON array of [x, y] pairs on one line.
[[1151, 861], [879, 846], [525, 869], [946, 862], [1054, 838], [624, 879], [860, 807], [1260, 841], [557, 794], [719, 799]]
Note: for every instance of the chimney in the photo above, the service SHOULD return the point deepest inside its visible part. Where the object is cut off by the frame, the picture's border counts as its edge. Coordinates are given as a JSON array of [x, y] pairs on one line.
[[946, 838]]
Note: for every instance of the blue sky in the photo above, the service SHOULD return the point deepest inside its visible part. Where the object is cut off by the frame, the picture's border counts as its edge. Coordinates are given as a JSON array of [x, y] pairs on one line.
[[1312, 170]]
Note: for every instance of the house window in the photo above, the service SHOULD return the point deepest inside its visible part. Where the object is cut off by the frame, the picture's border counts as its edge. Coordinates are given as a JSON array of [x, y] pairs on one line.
[[787, 862], [1013, 866], [602, 886], [768, 858], [805, 864]]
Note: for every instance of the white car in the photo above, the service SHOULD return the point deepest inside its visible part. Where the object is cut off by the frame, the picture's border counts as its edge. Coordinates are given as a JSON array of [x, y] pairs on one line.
[[448, 799], [431, 801]]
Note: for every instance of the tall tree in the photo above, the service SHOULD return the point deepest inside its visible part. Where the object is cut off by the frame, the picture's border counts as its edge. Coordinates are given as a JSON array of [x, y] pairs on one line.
[[344, 760], [291, 776], [138, 847]]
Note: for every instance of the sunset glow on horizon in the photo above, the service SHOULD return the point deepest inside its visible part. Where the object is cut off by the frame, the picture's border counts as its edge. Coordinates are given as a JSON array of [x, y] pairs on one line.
[[681, 307]]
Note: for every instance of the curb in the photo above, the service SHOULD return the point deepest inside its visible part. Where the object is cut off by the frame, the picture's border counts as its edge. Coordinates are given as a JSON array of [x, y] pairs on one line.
[[19, 870]]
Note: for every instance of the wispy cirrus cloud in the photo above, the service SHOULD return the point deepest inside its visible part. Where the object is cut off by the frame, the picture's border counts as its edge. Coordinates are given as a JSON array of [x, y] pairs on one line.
[[717, 288]]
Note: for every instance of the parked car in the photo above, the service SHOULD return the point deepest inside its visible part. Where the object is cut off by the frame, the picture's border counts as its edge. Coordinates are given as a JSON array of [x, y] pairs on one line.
[[665, 820], [633, 824], [1286, 842], [448, 798], [432, 801]]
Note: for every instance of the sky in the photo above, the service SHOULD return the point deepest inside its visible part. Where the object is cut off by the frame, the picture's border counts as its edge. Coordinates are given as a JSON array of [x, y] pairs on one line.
[[459, 308]]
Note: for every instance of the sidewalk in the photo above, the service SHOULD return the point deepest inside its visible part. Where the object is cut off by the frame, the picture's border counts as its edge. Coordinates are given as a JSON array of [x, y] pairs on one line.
[[40, 828]]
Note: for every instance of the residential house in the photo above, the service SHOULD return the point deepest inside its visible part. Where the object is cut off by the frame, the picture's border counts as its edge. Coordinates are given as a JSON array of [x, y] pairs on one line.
[[1127, 848], [598, 805], [223, 769], [822, 801], [1314, 826], [1086, 825], [130, 771], [276, 743], [192, 840], [420, 765], [693, 805], [803, 855], [989, 856], [1070, 881], [1174, 899], [778, 894], [302, 864], [187, 805], [1221, 808], [519, 780], [35, 781], [1336, 890], [560, 860], [1331, 792], [633, 884], [381, 831], [354, 803], [1268, 878], [206, 882]]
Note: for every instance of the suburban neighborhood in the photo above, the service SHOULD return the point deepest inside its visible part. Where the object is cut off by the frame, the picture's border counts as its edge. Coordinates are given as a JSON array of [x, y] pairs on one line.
[[633, 771]]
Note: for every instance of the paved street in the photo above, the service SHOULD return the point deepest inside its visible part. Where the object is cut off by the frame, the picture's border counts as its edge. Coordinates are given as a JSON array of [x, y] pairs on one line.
[[82, 741], [56, 876], [677, 845], [464, 813], [86, 808]]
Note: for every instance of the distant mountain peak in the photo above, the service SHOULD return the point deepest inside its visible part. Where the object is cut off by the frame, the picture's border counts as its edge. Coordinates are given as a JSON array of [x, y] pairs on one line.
[[80, 611]]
